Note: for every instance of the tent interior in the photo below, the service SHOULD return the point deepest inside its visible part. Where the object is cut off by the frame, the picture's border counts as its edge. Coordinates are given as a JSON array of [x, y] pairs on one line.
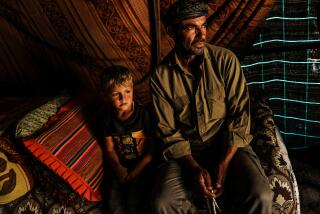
[[50, 48]]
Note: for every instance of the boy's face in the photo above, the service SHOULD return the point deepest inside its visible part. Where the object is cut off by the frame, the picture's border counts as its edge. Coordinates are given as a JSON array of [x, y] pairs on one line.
[[121, 96]]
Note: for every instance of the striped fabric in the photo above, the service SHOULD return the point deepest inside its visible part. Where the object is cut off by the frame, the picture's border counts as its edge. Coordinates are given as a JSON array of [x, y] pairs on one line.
[[69, 148]]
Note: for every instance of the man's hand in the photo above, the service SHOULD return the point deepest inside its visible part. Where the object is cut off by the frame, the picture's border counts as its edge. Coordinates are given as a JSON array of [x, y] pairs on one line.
[[201, 176], [203, 181], [217, 187], [221, 170]]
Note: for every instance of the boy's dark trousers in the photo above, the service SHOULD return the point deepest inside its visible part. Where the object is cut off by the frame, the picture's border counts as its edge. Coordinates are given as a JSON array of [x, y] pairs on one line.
[[132, 198]]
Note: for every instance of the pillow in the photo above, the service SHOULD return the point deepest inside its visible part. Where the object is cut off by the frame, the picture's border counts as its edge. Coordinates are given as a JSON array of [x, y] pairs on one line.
[[15, 177], [69, 148], [35, 119], [270, 149]]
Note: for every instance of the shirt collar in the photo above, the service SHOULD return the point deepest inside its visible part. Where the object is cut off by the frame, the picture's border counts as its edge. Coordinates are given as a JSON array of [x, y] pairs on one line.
[[174, 60]]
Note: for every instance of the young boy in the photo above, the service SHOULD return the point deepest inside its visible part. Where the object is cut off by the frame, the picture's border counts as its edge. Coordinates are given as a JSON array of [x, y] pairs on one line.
[[128, 145]]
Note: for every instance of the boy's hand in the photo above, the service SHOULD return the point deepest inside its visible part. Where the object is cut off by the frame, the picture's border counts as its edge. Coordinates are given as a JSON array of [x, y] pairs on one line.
[[122, 175], [135, 172], [131, 176]]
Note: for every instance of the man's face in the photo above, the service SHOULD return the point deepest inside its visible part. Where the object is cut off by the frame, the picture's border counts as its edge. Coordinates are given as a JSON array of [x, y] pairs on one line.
[[191, 35], [122, 96]]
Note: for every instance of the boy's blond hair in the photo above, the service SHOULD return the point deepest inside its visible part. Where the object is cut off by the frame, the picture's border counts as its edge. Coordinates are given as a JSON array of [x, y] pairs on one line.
[[113, 76]]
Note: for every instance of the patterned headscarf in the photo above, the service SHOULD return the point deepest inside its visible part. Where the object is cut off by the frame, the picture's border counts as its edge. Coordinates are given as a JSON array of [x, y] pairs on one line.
[[185, 9]]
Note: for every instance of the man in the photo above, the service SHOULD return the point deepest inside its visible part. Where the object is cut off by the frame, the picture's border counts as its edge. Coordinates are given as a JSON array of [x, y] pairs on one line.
[[202, 105]]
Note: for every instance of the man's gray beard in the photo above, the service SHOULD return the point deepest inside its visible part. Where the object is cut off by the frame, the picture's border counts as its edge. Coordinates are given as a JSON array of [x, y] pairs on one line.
[[197, 51], [191, 51]]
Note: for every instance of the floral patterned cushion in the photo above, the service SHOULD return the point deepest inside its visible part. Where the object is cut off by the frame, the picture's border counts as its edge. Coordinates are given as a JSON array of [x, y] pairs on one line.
[[51, 195], [271, 150], [15, 177]]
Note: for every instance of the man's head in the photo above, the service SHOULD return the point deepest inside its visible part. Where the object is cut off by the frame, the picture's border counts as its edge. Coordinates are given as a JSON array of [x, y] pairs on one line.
[[186, 23], [117, 86]]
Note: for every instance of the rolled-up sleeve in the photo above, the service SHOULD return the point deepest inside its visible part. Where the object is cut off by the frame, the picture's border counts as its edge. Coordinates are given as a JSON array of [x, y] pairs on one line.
[[238, 104], [175, 146]]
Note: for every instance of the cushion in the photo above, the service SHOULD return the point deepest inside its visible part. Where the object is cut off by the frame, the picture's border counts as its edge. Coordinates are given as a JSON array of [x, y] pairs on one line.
[[15, 177], [271, 150], [35, 119], [69, 148], [50, 194]]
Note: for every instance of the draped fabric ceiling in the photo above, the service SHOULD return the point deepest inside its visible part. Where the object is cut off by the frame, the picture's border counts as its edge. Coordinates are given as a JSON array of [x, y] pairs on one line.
[[47, 45]]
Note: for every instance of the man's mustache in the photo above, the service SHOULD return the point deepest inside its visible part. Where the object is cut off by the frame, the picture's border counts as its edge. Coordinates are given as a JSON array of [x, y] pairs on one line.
[[200, 40]]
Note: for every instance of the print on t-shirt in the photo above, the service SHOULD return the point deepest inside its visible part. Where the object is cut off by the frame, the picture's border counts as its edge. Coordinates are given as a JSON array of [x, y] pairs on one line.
[[130, 146]]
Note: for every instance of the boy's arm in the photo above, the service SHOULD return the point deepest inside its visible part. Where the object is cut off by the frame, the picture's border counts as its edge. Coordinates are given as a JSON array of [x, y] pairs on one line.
[[113, 159], [145, 160]]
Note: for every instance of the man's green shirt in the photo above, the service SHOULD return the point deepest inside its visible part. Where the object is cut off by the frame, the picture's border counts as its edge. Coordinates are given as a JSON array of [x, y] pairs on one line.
[[192, 108]]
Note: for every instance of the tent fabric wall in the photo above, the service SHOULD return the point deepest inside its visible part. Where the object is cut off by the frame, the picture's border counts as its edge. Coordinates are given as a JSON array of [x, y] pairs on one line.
[[47, 45]]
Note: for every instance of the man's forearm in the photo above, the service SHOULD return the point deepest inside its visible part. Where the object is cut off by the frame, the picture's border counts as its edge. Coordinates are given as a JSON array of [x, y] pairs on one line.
[[228, 154], [187, 162], [223, 165]]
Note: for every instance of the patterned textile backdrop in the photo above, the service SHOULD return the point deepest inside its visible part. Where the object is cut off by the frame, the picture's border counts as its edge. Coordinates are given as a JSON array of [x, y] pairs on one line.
[[46, 45]]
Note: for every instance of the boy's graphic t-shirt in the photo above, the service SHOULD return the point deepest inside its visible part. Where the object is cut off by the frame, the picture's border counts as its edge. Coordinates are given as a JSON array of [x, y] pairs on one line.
[[130, 136]]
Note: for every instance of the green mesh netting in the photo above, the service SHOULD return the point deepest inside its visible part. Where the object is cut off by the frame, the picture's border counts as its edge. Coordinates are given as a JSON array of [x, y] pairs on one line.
[[286, 63]]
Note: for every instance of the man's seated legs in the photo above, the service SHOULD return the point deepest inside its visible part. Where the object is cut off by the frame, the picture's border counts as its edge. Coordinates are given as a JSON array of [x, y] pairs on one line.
[[247, 189]]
